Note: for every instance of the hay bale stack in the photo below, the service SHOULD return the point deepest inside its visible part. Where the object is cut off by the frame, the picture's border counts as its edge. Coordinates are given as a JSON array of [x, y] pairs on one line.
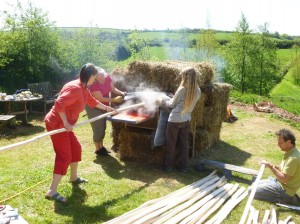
[[135, 144], [207, 117]]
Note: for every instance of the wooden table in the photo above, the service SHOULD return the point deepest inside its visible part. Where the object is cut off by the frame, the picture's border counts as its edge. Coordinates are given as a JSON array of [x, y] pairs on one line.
[[9, 99]]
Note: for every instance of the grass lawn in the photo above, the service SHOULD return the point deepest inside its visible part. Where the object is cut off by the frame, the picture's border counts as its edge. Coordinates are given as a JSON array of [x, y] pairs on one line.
[[116, 187]]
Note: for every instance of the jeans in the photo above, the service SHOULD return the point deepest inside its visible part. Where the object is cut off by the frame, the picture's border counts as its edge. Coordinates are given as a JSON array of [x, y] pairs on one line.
[[271, 190]]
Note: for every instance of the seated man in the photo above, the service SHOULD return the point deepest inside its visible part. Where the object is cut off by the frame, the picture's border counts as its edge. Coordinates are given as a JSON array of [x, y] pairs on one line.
[[284, 186]]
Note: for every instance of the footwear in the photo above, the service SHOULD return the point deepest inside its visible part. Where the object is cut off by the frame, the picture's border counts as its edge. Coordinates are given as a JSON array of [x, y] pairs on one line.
[[167, 169], [182, 170], [56, 197], [79, 180], [102, 152]]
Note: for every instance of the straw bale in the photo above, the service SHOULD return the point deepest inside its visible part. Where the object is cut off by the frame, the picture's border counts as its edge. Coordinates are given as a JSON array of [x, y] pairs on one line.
[[206, 138], [136, 145], [117, 128], [165, 75], [197, 114], [207, 116], [216, 100]]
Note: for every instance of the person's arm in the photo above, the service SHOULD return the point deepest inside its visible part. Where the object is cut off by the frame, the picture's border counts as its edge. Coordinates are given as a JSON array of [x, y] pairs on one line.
[[115, 90], [280, 176], [176, 98], [101, 106], [67, 125], [98, 95]]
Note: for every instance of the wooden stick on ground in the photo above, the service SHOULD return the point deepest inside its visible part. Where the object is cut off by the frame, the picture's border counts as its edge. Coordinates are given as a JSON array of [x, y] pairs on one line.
[[159, 205], [63, 129], [183, 190], [273, 215], [286, 221], [150, 204], [186, 213], [217, 204], [253, 190], [227, 208], [266, 217], [289, 206], [207, 206]]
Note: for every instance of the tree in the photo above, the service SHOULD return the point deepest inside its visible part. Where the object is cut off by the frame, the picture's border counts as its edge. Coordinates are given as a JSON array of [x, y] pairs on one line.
[[207, 44], [30, 41], [264, 60], [237, 55], [86, 45], [138, 46]]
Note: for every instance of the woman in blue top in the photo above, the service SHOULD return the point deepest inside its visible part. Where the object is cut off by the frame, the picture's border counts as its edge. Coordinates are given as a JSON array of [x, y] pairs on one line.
[[181, 105]]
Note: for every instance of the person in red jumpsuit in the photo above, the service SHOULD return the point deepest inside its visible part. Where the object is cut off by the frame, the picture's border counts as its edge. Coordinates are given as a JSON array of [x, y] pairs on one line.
[[64, 114]]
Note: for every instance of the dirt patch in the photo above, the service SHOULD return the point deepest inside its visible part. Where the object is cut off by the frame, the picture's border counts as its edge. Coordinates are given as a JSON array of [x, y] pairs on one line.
[[275, 110]]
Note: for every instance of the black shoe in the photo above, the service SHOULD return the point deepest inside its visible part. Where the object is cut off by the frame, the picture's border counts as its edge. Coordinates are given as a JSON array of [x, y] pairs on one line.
[[182, 170], [167, 169], [102, 152]]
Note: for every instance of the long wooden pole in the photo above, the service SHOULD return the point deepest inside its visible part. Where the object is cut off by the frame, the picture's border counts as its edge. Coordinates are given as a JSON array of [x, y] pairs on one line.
[[228, 206], [178, 193], [63, 129], [159, 205], [251, 196]]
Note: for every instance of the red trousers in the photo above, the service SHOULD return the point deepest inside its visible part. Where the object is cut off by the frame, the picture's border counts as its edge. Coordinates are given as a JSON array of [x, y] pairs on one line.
[[67, 149]]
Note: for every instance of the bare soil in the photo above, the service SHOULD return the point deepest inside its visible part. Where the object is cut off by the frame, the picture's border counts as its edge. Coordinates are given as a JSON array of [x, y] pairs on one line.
[[276, 110]]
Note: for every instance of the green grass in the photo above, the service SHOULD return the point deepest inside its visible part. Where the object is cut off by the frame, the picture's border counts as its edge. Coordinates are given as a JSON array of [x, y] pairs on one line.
[[115, 186], [286, 95], [285, 56]]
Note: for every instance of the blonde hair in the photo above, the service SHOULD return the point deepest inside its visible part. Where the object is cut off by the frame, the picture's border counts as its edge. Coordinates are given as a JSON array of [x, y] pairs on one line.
[[189, 82]]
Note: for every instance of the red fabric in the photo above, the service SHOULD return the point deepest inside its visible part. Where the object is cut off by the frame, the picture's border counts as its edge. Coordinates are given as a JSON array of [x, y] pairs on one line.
[[104, 88], [72, 99], [67, 149]]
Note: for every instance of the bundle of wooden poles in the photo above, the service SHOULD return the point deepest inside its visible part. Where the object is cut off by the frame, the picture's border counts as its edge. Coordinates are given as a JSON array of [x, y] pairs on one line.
[[270, 217], [194, 203]]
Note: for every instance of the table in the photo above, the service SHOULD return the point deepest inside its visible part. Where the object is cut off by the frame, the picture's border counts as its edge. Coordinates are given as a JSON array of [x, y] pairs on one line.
[[9, 99]]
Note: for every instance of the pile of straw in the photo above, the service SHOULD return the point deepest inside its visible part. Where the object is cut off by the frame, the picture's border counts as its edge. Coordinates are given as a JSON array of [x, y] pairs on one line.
[[207, 116]]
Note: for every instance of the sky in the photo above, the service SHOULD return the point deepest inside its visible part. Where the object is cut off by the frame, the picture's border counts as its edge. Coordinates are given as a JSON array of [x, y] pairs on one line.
[[281, 16]]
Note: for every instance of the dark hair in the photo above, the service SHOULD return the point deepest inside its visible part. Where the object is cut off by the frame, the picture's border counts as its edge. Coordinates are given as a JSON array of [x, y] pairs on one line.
[[86, 72], [287, 135]]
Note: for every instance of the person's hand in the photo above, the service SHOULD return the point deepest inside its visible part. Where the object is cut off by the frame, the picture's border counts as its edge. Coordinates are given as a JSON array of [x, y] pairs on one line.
[[124, 93], [110, 109], [117, 99], [159, 101], [68, 126], [267, 164]]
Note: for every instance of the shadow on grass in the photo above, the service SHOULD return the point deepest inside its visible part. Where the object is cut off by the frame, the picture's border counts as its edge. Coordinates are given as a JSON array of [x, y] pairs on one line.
[[88, 214], [20, 130], [226, 153]]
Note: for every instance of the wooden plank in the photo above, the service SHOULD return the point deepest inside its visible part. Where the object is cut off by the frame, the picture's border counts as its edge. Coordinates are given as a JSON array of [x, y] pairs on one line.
[[251, 196], [4, 118], [228, 167]]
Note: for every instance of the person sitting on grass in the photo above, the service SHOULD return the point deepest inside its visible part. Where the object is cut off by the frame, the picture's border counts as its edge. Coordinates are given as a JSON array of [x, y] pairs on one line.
[[282, 188]]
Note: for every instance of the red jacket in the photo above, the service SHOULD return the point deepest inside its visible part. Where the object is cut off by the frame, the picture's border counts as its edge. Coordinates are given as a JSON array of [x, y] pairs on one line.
[[72, 100]]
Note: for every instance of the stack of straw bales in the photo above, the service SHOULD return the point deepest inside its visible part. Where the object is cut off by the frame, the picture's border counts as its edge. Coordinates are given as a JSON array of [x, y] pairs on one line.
[[207, 117]]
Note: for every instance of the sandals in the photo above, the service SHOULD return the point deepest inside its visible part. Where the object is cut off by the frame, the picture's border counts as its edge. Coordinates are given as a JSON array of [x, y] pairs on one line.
[[57, 197], [79, 180]]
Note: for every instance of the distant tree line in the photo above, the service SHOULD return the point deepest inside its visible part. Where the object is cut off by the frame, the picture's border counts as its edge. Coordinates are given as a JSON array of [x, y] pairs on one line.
[[32, 49]]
